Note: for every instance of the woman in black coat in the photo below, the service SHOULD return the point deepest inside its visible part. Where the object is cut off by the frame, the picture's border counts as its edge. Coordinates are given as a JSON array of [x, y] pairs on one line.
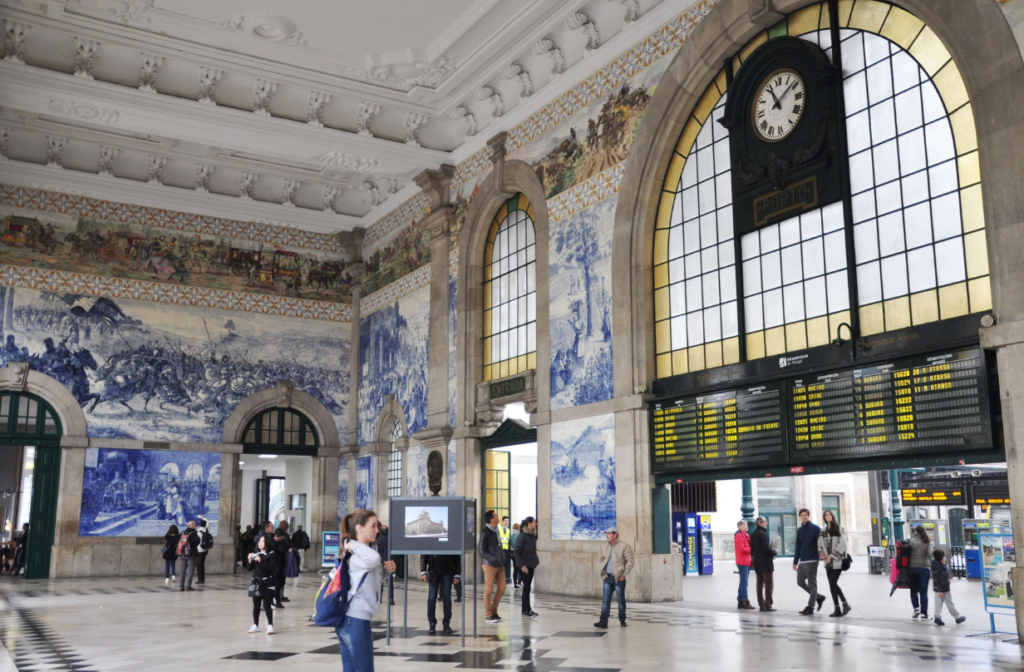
[[264, 564], [763, 556], [170, 554]]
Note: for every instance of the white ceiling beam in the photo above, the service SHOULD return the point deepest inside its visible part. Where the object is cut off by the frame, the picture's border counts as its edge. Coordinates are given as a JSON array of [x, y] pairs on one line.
[[21, 174], [126, 109]]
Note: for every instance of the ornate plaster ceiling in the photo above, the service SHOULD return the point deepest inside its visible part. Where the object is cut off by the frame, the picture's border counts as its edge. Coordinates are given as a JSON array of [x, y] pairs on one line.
[[318, 113]]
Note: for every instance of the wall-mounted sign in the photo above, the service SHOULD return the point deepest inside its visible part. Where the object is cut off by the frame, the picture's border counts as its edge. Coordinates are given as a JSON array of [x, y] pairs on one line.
[[508, 387], [924, 493]]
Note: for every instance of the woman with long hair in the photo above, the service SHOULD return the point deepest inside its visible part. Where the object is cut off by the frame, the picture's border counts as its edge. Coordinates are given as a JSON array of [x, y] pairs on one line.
[[263, 564], [366, 573], [921, 549], [832, 546], [170, 553]]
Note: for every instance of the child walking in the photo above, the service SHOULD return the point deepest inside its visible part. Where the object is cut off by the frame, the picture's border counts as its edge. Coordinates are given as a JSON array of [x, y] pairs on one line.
[[940, 580]]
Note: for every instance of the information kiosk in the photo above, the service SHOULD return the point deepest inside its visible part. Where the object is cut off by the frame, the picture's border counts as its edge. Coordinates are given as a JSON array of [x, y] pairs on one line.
[[973, 528]]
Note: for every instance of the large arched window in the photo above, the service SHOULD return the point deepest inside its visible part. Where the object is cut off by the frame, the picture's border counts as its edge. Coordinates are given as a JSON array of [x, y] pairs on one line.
[[395, 462], [281, 430], [510, 291], [918, 225]]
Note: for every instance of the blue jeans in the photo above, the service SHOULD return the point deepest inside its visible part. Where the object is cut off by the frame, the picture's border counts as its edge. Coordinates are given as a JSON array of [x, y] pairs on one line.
[[919, 578], [619, 588], [744, 575], [356, 639], [444, 583], [169, 568]]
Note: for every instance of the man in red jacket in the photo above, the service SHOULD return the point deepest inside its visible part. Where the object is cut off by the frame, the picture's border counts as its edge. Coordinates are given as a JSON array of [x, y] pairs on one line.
[[742, 542]]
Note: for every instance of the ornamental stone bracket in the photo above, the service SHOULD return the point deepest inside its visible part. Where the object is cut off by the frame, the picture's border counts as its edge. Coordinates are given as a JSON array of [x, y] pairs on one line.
[[434, 438], [437, 184], [764, 13], [493, 395], [497, 147]]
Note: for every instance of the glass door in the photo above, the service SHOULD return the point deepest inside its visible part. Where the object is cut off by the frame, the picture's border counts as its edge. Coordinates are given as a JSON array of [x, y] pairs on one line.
[[497, 482]]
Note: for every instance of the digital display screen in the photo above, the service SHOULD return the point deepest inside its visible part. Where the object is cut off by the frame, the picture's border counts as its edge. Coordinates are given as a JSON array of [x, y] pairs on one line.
[[743, 427], [926, 494], [329, 548], [929, 403], [923, 404]]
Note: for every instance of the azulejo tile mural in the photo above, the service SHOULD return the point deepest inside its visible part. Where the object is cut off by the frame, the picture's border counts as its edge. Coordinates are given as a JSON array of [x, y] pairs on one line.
[[365, 467], [393, 361], [163, 292], [583, 502], [580, 253], [100, 243], [143, 370], [343, 482], [452, 469], [141, 493], [416, 472]]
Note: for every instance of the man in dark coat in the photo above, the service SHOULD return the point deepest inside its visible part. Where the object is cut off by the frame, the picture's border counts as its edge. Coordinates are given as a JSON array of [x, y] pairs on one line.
[[440, 572], [763, 556]]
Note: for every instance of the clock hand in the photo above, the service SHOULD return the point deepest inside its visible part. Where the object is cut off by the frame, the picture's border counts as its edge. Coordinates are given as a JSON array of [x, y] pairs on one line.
[[778, 101], [774, 98]]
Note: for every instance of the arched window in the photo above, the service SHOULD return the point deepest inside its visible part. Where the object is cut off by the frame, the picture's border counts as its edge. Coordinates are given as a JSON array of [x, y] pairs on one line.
[[918, 224], [27, 417], [395, 462], [510, 291], [281, 430]]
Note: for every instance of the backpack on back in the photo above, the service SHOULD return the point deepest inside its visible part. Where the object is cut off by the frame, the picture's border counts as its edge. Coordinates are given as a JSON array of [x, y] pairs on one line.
[[206, 542], [332, 598], [184, 548], [902, 554]]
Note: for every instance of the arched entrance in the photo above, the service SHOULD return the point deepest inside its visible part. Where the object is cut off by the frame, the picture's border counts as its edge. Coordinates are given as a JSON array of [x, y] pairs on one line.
[[283, 442], [32, 428]]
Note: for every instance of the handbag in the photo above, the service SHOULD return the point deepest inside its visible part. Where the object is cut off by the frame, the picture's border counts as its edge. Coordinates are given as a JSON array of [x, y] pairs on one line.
[[847, 561], [163, 551], [254, 587]]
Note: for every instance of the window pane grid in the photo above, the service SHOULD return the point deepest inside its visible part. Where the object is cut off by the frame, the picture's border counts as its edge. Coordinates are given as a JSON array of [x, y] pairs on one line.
[[395, 463], [510, 292]]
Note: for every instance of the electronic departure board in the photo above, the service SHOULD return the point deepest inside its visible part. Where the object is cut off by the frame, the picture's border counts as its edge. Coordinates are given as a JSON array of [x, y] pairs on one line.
[[929, 403], [733, 428], [923, 493]]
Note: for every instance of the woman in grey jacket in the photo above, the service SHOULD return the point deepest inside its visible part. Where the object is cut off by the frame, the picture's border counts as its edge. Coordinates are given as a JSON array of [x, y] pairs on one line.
[[832, 548], [921, 549], [359, 530]]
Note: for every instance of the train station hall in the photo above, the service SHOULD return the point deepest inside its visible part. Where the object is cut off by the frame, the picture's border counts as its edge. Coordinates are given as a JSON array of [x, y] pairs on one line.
[[522, 335]]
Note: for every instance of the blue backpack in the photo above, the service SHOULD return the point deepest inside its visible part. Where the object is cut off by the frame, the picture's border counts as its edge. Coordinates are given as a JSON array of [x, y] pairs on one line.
[[332, 598]]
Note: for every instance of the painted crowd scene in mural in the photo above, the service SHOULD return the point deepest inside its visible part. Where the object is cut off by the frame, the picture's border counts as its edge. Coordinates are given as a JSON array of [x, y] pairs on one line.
[[393, 361], [400, 255], [54, 241], [145, 370], [140, 493], [583, 503], [581, 306], [343, 479], [364, 481]]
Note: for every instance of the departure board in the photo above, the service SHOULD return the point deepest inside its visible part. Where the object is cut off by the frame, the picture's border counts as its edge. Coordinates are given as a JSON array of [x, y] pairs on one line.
[[931, 494], [929, 403], [731, 428]]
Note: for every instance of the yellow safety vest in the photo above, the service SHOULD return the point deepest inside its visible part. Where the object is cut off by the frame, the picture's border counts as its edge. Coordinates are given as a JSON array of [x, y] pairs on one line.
[[504, 534]]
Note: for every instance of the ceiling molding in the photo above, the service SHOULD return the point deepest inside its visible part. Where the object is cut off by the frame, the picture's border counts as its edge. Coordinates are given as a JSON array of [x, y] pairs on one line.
[[20, 174]]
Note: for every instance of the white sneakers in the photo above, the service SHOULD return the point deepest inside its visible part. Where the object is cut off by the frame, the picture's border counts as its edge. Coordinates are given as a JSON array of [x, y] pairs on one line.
[[166, 581], [254, 628], [270, 629]]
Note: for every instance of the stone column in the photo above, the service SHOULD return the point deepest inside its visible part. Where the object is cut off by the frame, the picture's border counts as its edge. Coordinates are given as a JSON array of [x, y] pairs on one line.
[[436, 184], [1008, 341], [323, 504], [357, 271]]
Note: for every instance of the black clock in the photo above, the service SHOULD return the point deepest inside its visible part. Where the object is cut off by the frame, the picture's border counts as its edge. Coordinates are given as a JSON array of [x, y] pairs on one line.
[[784, 118]]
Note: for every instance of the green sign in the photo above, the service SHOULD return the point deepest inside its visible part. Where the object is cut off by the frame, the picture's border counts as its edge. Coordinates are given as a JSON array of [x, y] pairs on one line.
[[506, 388]]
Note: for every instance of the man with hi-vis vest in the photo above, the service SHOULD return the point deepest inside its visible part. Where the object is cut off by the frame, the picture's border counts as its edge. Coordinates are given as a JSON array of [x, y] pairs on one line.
[[505, 535]]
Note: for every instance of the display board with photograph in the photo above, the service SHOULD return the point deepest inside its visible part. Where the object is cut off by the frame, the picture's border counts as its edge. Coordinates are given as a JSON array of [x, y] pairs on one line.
[[998, 557], [331, 544], [432, 525]]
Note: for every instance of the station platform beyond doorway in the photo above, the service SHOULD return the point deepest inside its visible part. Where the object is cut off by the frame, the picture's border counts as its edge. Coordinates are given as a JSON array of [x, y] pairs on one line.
[[137, 624]]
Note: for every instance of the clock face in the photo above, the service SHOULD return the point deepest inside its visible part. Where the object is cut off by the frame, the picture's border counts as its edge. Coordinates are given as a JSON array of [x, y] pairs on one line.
[[779, 105]]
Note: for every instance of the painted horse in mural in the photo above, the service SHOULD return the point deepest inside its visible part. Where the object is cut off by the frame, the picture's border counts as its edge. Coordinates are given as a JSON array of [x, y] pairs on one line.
[[84, 245]]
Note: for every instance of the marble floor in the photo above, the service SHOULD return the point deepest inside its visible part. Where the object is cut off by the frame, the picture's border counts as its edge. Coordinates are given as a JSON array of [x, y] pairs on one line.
[[138, 625]]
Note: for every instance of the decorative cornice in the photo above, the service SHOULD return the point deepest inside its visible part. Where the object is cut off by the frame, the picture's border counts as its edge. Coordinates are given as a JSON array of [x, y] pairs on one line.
[[397, 290], [162, 292], [413, 209], [657, 45], [585, 194], [83, 206]]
